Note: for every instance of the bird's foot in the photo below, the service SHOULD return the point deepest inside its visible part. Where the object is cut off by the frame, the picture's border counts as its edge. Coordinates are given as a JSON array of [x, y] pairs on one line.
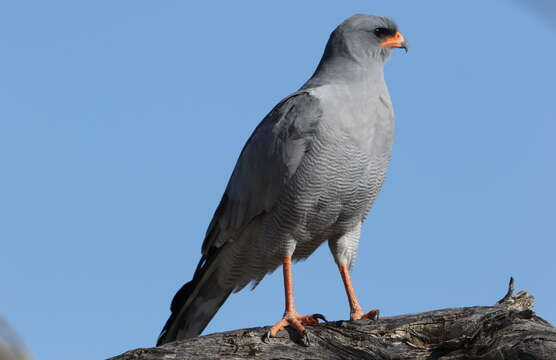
[[294, 321], [373, 315]]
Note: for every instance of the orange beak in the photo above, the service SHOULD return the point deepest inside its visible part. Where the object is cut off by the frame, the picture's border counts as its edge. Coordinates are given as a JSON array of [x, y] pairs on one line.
[[397, 41]]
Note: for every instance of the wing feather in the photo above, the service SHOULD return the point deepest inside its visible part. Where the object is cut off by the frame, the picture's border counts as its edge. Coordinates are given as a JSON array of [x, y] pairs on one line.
[[268, 160]]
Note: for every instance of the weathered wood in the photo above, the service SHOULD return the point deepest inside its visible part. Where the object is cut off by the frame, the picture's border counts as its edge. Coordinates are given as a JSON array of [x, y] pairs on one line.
[[508, 330]]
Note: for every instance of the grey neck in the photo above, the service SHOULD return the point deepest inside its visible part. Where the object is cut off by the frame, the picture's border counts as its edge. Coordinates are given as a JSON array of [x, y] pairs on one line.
[[346, 72]]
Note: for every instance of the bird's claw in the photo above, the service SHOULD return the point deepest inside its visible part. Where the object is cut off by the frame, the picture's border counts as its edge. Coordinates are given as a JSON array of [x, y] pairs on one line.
[[371, 315], [294, 321], [266, 337], [319, 317]]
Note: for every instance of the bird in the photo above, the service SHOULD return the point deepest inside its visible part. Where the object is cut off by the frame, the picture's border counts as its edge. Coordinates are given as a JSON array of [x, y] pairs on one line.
[[309, 173]]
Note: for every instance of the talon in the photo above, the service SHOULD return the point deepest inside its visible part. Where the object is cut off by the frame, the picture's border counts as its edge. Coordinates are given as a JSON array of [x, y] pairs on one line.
[[311, 319], [295, 321], [266, 337], [372, 315], [319, 316]]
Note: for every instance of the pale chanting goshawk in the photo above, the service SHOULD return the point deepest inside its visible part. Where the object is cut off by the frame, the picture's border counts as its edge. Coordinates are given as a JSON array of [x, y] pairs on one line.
[[309, 173]]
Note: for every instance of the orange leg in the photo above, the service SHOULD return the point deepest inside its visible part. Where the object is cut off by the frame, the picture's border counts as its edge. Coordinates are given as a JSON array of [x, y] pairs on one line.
[[356, 311], [291, 317]]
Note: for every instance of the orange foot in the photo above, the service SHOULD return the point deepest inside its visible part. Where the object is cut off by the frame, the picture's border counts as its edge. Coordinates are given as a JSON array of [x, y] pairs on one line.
[[295, 321], [373, 315]]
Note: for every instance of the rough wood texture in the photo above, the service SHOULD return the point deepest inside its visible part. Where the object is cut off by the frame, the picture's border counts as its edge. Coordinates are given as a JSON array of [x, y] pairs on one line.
[[508, 330]]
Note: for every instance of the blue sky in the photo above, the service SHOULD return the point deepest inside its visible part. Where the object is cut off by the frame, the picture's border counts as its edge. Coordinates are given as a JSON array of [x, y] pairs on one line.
[[120, 123]]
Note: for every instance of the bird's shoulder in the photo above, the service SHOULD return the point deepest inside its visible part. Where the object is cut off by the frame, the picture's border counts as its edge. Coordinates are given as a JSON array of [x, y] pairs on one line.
[[294, 117], [268, 160]]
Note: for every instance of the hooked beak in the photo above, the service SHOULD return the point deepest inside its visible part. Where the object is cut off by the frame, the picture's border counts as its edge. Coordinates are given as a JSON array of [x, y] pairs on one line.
[[395, 41]]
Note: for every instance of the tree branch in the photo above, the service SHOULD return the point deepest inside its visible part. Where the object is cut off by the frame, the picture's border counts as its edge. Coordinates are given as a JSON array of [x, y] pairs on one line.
[[508, 330]]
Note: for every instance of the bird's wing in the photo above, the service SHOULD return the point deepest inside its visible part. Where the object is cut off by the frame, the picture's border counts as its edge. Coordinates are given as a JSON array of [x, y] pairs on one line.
[[268, 160]]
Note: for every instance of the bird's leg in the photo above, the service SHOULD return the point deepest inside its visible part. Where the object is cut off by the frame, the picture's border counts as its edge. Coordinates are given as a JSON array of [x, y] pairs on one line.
[[356, 311], [291, 316]]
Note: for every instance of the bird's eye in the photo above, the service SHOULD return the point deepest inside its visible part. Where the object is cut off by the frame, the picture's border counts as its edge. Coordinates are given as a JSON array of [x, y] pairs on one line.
[[380, 31]]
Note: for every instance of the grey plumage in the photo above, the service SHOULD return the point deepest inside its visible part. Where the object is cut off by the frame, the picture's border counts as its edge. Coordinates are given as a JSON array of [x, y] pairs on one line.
[[309, 173]]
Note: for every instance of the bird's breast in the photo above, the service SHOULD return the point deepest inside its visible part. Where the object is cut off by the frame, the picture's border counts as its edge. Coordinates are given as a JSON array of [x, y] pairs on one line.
[[342, 170], [361, 117], [337, 185]]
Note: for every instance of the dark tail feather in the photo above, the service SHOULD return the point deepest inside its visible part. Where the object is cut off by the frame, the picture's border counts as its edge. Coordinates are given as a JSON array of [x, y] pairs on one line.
[[194, 304]]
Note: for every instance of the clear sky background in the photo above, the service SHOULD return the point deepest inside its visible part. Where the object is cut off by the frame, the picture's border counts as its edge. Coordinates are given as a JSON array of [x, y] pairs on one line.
[[120, 122]]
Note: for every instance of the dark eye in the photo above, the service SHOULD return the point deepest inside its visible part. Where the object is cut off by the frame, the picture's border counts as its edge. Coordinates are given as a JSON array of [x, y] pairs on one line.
[[381, 32]]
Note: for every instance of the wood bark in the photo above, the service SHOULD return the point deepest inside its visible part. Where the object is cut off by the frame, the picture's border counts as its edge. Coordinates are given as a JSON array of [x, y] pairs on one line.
[[507, 330]]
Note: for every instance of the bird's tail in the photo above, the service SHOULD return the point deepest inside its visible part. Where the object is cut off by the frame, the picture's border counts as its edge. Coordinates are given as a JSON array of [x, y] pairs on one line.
[[195, 303]]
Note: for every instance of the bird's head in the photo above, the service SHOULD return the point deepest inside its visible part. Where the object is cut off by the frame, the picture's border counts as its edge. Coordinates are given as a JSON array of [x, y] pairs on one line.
[[362, 36], [357, 50]]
